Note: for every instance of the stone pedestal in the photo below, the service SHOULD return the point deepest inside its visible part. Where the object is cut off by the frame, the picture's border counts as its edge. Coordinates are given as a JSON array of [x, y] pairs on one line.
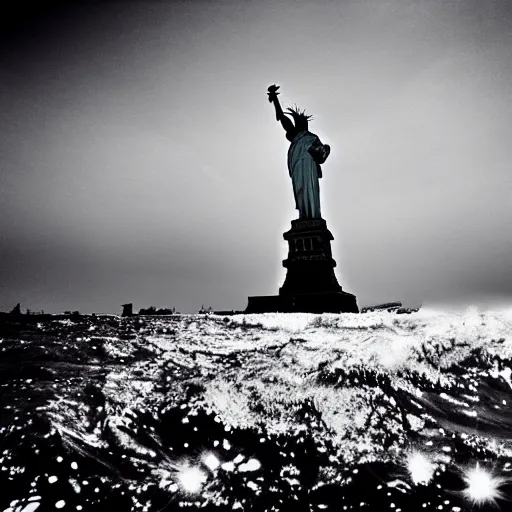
[[310, 285]]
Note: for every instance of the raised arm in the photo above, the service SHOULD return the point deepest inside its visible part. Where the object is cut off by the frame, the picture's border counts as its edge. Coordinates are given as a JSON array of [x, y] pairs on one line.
[[285, 121]]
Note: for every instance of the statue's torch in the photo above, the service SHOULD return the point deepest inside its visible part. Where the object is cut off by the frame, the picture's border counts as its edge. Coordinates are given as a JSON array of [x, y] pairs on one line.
[[272, 92]]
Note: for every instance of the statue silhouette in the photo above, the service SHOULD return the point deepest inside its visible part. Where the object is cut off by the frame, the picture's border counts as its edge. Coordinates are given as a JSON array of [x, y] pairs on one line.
[[305, 155]]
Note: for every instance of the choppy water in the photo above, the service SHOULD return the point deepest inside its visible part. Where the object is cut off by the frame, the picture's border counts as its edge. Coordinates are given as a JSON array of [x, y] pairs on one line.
[[299, 412]]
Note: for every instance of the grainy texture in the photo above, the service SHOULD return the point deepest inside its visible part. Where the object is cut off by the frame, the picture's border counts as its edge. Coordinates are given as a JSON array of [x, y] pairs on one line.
[[256, 412]]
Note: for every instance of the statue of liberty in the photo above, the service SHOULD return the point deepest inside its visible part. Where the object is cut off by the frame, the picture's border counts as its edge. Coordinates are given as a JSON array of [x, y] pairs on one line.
[[305, 155]]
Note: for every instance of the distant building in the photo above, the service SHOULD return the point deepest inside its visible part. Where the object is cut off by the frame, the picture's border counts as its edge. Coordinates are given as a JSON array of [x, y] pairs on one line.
[[127, 309], [228, 312], [152, 311], [16, 310], [391, 307]]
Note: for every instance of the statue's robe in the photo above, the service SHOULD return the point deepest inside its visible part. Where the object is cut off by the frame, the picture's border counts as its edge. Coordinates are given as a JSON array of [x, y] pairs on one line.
[[305, 173]]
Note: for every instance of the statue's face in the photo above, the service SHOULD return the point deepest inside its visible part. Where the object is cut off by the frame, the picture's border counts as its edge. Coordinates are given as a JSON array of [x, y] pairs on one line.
[[301, 124]]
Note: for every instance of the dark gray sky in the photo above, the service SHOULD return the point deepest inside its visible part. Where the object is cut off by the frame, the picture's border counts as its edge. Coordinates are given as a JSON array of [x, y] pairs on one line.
[[140, 160]]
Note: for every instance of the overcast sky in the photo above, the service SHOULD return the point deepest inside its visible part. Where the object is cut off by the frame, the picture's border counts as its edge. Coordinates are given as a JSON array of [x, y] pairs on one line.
[[140, 160]]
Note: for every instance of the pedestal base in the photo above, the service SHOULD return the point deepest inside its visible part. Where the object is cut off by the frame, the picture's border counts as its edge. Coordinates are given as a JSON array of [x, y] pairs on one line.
[[326, 302], [310, 285]]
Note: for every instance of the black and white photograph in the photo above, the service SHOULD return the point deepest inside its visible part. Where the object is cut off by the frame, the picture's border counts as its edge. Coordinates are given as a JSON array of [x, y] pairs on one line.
[[256, 255]]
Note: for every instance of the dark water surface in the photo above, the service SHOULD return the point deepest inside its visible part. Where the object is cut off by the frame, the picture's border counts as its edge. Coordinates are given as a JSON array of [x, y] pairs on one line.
[[367, 412]]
